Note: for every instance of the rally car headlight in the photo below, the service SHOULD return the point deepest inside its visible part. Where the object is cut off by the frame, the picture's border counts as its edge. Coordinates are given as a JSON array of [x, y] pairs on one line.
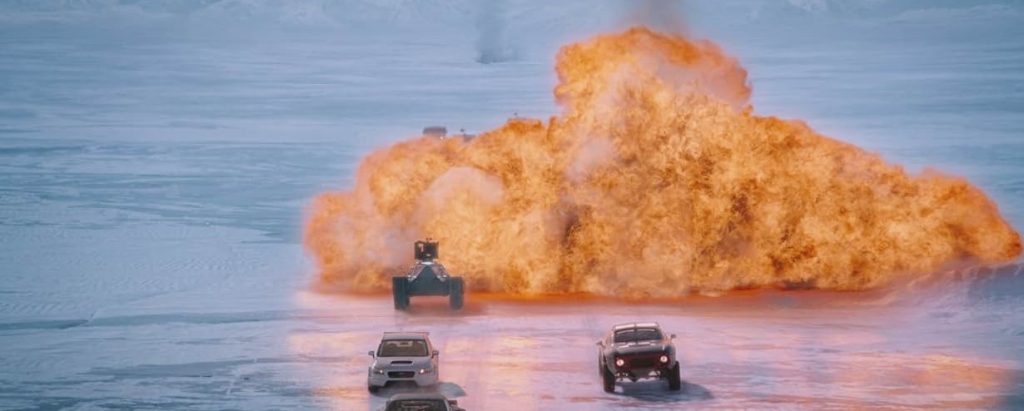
[[663, 359], [619, 362], [425, 370], [378, 370]]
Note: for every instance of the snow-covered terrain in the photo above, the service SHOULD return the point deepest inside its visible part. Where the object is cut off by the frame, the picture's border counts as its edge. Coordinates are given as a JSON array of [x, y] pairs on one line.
[[156, 158]]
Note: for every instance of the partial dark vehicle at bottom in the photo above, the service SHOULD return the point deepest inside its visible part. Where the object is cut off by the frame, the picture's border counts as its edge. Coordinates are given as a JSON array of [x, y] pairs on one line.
[[421, 402], [636, 351]]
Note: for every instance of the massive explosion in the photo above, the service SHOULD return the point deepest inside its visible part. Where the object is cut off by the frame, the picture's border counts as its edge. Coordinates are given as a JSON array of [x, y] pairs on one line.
[[656, 180]]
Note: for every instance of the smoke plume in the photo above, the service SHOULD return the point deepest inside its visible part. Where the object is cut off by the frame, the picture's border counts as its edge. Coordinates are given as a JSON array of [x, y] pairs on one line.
[[665, 16], [491, 44]]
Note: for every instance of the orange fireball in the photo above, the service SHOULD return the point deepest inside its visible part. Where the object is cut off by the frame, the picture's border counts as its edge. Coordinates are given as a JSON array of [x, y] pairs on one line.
[[656, 180]]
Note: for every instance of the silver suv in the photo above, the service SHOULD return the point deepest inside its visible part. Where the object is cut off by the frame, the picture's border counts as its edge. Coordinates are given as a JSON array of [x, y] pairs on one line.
[[403, 357]]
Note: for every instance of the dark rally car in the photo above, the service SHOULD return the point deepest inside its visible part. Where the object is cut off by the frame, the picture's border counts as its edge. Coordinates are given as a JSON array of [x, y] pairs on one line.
[[637, 351]]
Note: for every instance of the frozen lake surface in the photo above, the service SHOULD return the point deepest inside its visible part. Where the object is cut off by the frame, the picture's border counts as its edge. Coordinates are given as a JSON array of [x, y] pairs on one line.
[[153, 178]]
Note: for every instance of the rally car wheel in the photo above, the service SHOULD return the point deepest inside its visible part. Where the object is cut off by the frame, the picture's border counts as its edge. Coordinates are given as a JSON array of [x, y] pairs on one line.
[[675, 382], [609, 380]]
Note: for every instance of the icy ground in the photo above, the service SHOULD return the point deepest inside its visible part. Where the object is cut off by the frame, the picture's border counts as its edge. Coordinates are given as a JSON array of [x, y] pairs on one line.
[[154, 165]]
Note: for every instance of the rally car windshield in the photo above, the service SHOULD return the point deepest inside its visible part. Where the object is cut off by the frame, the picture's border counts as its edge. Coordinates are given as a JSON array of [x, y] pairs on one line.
[[417, 405], [402, 348], [637, 334]]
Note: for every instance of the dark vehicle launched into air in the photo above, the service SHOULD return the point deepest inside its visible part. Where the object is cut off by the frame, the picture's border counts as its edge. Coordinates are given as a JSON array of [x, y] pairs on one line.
[[637, 351], [427, 277], [421, 402]]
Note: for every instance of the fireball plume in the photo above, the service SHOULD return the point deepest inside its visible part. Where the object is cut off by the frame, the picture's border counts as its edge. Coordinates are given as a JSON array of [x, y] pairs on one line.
[[656, 180]]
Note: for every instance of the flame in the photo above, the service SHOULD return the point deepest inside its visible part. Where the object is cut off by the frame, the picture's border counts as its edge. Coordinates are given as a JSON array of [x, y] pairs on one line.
[[656, 180]]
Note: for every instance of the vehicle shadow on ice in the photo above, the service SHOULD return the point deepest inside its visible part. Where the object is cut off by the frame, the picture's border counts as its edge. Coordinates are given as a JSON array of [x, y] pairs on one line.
[[657, 391], [438, 307]]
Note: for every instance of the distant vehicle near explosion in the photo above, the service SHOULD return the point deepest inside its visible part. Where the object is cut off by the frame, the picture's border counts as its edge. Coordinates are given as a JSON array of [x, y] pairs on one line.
[[637, 351], [442, 132], [427, 277], [435, 131], [403, 357], [421, 402]]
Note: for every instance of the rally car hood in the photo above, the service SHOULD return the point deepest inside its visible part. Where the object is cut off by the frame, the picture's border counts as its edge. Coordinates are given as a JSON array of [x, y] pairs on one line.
[[640, 347]]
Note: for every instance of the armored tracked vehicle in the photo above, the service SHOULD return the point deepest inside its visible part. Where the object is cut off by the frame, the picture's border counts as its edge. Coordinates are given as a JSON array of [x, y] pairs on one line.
[[427, 277]]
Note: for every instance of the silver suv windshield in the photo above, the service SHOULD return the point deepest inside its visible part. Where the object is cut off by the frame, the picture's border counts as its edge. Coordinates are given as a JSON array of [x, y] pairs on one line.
[[637, 334], [402, 348]]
